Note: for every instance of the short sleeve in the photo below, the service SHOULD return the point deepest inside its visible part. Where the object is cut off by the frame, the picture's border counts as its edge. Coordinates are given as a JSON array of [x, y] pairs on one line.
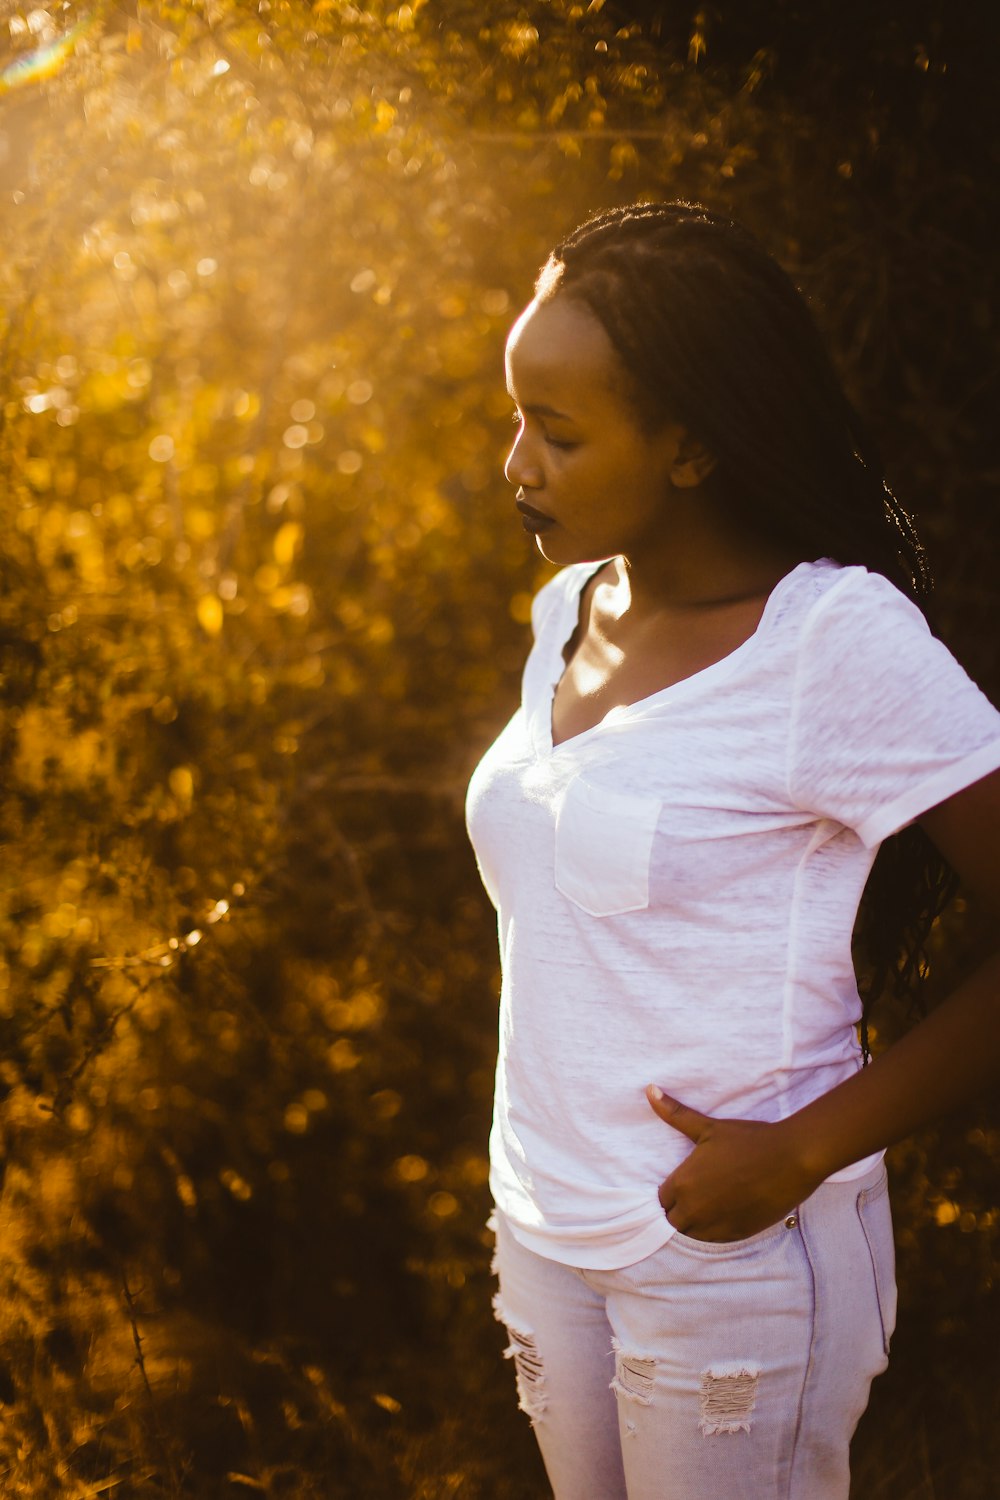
[[885, 723]]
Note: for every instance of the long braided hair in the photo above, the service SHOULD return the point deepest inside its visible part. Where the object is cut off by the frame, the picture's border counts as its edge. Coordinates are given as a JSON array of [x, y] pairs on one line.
[[714, 335]]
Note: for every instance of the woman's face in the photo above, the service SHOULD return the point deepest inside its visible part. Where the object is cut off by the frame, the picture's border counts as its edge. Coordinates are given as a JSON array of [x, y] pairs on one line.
[[591, 482]]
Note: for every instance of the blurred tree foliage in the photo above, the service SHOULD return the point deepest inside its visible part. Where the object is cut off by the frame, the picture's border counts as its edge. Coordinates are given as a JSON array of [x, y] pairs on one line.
[[264, 604]]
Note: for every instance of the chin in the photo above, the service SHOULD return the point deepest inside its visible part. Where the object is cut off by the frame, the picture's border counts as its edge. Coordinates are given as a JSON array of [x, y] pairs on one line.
[[560, 551]]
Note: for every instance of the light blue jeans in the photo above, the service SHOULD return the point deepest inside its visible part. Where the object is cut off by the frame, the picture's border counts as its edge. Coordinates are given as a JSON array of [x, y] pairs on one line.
[[708, 1371]]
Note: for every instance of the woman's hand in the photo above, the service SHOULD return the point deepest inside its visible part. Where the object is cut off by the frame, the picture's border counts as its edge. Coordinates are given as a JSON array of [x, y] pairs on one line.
[[744, 1175], [740, 1178]]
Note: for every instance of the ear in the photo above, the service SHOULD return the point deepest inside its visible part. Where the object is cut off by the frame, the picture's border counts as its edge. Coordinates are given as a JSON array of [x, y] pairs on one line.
[[692, 463]]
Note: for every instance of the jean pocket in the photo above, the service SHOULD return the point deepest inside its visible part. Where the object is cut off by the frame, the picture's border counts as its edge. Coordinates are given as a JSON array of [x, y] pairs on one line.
[[876, 1223], [753, 1244], [604, 841]]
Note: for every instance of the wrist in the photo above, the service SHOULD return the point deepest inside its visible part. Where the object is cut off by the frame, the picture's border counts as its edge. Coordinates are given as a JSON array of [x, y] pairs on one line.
[[803, 1161]]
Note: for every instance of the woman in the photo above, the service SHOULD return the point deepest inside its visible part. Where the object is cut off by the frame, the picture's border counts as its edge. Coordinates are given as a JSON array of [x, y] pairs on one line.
[[732, 700]]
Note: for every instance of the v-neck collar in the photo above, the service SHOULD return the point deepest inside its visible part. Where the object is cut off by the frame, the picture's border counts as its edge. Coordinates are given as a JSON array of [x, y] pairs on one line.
[[551, 665]]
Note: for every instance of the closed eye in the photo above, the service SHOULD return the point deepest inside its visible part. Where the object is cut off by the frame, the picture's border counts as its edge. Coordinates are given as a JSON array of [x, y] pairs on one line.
[[518, 419]]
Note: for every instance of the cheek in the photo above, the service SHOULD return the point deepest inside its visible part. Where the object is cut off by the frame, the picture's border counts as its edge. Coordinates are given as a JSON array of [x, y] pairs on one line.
[[607, 475]]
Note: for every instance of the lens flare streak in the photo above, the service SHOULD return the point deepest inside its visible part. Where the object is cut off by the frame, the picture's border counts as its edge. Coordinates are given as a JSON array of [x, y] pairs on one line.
[[44, 62]]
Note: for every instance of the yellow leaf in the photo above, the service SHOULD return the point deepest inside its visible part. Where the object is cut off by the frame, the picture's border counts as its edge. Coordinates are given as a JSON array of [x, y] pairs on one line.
[[181, 783], [287, 541], [38, 472], [210, 614], [199, 523]]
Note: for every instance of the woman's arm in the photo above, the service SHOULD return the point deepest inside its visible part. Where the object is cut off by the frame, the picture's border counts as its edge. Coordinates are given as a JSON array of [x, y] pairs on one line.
[[744, 1175]]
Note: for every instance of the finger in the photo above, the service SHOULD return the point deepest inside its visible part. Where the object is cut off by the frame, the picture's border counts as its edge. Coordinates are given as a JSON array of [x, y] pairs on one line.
[[669, 1207], [688, 1121]]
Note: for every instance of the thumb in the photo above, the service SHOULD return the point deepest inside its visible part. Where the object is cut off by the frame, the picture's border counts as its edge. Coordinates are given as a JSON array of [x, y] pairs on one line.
[[688, 1121]]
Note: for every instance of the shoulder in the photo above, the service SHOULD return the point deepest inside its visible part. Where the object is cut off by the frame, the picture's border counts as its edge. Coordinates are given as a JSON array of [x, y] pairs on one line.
[[866, 652], [885, 723], [858, 625], [824, 595], [851, 598]]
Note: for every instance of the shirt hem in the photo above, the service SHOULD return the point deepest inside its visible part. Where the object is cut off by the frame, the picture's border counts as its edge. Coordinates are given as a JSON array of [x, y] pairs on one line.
[[858, 1168], [588, 1254]]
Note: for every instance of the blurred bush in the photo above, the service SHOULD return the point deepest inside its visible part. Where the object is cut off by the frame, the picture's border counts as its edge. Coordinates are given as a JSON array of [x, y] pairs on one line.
[[263, 605]]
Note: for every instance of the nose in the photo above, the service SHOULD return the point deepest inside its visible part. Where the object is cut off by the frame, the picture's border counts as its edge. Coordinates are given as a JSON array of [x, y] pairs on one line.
[[521, 469]]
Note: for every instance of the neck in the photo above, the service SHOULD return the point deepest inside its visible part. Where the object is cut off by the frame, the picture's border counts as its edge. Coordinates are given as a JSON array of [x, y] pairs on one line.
[[702, 566]]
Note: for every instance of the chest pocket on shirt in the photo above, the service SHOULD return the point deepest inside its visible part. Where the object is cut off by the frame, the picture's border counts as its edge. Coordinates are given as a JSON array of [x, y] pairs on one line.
[[603, 844]]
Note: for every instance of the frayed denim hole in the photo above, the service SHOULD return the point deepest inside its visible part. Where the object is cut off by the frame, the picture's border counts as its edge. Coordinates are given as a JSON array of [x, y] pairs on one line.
[[528, 1367], [635, 1376], [728, 1397]]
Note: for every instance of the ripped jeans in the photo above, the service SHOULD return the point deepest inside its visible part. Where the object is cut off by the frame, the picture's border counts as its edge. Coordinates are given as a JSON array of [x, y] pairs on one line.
[[708, 1371]]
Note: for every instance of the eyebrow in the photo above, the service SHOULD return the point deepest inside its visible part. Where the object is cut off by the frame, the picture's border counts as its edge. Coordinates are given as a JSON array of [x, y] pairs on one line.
[[545, 411]]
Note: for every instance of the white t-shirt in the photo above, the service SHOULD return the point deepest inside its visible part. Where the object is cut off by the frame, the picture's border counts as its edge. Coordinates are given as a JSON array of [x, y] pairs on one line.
[[676, 889]]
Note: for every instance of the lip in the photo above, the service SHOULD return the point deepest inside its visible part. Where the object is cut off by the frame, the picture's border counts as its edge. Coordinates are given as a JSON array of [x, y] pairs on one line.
[[532, 519]]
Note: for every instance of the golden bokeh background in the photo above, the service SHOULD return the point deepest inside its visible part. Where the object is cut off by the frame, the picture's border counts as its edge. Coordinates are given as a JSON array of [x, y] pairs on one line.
[[264, 603]]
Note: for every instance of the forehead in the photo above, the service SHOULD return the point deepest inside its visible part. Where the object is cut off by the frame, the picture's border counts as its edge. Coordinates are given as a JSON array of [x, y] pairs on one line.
[[557, 348]]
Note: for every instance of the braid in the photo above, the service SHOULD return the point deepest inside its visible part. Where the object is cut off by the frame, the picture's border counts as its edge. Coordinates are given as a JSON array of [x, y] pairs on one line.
[[713, 334]]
